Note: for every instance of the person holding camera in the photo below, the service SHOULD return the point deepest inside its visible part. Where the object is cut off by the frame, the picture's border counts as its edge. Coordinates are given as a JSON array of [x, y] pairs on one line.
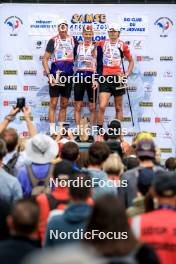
[[61, 51]]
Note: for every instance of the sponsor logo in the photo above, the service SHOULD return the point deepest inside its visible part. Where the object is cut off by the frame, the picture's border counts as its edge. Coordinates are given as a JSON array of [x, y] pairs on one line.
[[166, 150], [144, 58], [30, 72], [44, 103], [132, 88], [8, 103], [168, 74], [25, 57], [88, 18], [126, 119], [164, 24], [166, 105], [150, 73], [167, 135], [10, 72], [22, 118], [30, 88], [10, 87], [144, 119], [39, 44], [14, 24], [43, 24], [131, 134], [128, 42], [146, 104], [44, 118], [8, 57], [166, 58], [162, 120], [147, 88], [138, 44], [165, 89]]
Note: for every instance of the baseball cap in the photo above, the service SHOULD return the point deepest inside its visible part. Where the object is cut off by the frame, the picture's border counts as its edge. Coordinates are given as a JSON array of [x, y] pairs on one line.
[[145, 148], [114, 27], [164, 183], [62, 21]]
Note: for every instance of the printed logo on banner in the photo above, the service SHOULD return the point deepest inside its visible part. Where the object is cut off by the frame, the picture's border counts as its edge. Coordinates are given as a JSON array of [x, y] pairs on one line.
[[8, 57], [10, 87], [44, 103], [165, 104], [30, 72], [147, 88], [10, 72], [30, 88], [168, 74], [165, 89], [39, 44], [14, 24], [25, 57], [164, 120], [44, 118], [144, 119], [166, 150], [150, 73], [164, 24], [8, 103], [166, 58], [138, 44], [132, 88], [126, 119], [145, 104], [144, 58]]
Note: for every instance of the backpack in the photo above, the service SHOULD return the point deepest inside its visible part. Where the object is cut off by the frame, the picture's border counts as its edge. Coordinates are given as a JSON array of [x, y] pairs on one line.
[[54, 203], [39, 185], [10, 166], [127, 259]]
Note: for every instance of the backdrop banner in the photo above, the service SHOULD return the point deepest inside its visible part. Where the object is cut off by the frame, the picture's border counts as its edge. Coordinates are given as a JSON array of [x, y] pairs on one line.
[[150, 32]]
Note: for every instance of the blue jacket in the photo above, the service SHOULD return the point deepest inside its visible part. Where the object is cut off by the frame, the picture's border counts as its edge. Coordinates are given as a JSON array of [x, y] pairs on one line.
[[100, 182], [40, 171], [73, 219]]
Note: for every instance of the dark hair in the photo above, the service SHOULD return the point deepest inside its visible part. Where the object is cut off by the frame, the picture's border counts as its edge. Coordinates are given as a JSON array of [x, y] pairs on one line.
[[25, 215], [143, 158], [130, 162], [3, 149], [70, 151], [5, 211], [82, 190], [10, 136], [170, 163], [109, 215], [83, 160], [62, 167], [98, 153]]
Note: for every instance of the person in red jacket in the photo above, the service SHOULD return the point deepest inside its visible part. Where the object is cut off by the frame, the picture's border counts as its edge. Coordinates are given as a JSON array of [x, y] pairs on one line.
[[112, 50], [158, 228]]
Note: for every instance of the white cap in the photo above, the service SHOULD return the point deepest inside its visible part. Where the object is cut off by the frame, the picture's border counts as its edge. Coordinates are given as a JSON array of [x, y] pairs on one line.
[[62, 21], [114, 26]]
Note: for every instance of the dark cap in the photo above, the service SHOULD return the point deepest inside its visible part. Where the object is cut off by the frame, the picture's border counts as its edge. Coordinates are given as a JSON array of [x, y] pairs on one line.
[[63, 169], [164, 183], [115, 123], [145, 148], [145, 180]]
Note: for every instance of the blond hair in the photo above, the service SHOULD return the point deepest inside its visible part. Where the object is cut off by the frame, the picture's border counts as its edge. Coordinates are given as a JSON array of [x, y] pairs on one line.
[[113, 165]]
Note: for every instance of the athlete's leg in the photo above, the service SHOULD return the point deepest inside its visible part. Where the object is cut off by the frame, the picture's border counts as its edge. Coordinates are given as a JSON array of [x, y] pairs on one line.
[[103, 102], [52, 113], [77, 111], [63, 109], [119, 107]]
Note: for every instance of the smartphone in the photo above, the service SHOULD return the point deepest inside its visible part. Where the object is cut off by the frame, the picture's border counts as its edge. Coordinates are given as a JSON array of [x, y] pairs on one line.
[[20, 103]]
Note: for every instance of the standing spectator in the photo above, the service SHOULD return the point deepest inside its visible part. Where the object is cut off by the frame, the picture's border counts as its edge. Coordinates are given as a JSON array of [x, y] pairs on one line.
[[74, 217], [119, 244], [10, 189], [4, 212], [97, 154], [22, 223], [145, 151], [70, 152], [158, 228], [170, 164], [41, 150]]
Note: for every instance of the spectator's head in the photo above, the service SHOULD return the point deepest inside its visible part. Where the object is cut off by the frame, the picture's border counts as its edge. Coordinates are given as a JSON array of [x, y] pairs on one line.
[[113, 166], [83, 160], [24, 218], [41, 149], [130, 162], [145, 150], [98, 153], [164, 186], [70, 151], [10, 137], [170, 164], [62, 171], [114, 130], [144, 180], [109, 215], [3, 149], [80, 187]]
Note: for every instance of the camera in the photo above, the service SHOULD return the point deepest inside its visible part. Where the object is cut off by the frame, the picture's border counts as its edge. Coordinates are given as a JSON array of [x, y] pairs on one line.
[[20, 103]]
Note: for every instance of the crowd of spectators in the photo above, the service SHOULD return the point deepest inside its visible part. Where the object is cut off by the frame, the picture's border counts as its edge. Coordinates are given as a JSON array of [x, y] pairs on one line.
[[114, 203]]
